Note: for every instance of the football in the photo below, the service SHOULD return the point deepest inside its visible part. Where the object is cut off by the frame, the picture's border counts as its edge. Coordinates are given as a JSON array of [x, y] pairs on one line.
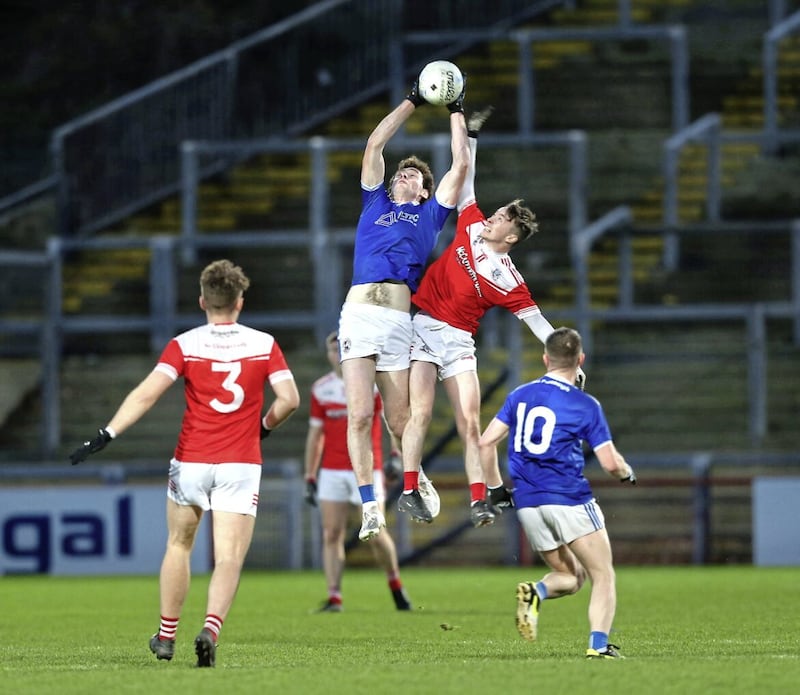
[[440, 82]]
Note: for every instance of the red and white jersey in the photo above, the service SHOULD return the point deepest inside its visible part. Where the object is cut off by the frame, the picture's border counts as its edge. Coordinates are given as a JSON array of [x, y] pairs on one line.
[[329, 411], [468, 278], [225, 367]]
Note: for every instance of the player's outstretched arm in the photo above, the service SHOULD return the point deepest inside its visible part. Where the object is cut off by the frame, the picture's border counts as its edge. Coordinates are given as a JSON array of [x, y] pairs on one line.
[[474, 124], [373, 166], [450, 186], [539, 326], [135, 405]]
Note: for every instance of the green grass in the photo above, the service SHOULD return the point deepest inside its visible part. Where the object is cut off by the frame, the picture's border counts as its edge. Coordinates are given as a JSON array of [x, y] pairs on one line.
[[683, 630]]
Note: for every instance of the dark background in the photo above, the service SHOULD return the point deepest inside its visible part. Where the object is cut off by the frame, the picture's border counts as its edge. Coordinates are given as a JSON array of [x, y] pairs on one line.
[[62, 59]]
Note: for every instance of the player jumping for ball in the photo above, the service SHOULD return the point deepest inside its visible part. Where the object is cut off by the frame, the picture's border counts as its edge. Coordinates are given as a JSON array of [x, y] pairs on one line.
[[474, 273], [396, 233]]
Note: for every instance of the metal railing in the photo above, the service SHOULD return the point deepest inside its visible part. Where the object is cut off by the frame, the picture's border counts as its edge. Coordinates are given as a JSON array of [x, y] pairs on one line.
[[327, 271], [134, 141], [774, 134], [46, 334], [706, 130], [526, 39]]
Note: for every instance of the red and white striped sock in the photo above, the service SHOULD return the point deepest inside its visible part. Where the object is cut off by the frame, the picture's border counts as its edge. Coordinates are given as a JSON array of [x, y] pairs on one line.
[[213, 624], [167, 628]]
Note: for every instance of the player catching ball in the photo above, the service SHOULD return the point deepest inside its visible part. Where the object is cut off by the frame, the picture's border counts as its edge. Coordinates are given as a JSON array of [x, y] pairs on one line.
[[397, 231]]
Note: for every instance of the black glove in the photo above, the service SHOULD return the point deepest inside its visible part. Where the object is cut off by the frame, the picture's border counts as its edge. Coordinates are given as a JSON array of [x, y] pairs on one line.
[[500, 498], [311, 492], [457, 106], [630, 478], [91, 446], [414, 96]]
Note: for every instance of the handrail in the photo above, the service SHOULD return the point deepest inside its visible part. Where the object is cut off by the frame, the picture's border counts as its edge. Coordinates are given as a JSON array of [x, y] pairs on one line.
[[580, 247], [773, 135], [163, 320], [12, 202], [705, 129], [327, 272], [674, 34], [135, 138]]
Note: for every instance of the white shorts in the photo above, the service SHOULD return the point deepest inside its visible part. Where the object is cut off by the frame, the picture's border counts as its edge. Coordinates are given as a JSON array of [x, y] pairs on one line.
[[340, 486], [219, 487], [552, 525], [452, 350], [366, 330]]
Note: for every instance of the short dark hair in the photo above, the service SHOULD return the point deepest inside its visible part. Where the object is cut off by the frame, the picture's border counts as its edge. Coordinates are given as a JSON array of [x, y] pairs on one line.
[[415, 162], [564, 347], [524, 219], [222, 283]]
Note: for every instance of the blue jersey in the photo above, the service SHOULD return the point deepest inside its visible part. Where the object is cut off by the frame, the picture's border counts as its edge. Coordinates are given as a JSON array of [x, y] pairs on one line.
[[547, 419], [393, 241]]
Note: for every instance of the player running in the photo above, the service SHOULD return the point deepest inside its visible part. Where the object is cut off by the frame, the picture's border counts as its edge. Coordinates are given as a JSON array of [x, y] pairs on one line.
[[217, 463], [396, 232], [473, 274], [546, 422]]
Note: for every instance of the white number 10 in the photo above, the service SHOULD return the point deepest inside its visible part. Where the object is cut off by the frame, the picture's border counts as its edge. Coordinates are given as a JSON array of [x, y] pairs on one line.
[[525, 426]]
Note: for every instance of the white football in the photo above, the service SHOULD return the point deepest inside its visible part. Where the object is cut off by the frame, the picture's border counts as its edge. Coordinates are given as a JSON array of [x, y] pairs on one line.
[[440, 82]]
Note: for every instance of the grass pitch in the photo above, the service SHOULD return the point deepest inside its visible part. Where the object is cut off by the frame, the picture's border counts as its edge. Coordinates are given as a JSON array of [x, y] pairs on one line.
[[683, 630]]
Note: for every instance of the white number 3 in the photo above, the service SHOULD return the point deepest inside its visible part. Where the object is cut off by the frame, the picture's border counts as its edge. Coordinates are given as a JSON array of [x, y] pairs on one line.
[[234, 369]]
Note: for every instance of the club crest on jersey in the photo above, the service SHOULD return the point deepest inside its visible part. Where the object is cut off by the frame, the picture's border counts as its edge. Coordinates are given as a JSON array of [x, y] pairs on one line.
[[496, 274], [389, 218]]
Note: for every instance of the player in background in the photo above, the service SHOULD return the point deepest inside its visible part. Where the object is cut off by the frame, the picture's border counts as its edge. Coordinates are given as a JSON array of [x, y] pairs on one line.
[[331, 482], [546, 421], [217, 461], [396, 232], [473, 274]]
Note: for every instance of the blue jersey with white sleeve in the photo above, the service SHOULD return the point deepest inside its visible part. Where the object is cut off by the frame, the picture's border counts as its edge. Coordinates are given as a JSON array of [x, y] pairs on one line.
[[548, 419], [393, 241]]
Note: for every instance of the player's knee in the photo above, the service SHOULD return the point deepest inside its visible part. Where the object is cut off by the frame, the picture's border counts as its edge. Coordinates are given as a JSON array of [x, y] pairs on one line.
[[580, 578], [420, 420], [332, 536], [360, 421], [471, 430]]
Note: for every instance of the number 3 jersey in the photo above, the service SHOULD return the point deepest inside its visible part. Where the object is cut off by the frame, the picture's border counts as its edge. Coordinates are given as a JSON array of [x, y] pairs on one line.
[[225, 367], [548, 419], [468, 279]]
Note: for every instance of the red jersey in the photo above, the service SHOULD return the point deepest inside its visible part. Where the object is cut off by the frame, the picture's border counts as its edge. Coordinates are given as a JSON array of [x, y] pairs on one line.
[[329, 410], [468, 278], [225, 367]]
